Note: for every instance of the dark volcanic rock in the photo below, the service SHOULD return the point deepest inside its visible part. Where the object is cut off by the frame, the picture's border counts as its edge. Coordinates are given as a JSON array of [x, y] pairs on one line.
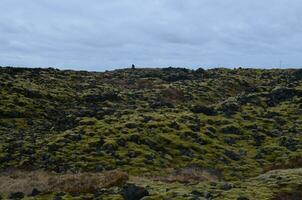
[[133, 192], [232, 155], [298, 74], [203, 109], [289, 143], [229, 107], [280, 94], [242, 198], [226, 186], [107, 96], [231, 130]]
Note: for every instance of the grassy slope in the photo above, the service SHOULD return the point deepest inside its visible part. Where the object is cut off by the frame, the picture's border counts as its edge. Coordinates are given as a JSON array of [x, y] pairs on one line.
[[238, 123]]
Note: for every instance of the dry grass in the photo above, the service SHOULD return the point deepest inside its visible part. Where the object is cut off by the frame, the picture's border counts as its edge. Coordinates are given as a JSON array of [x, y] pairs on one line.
[[292, 163], [189, 175], [23, 181], [297, 195]]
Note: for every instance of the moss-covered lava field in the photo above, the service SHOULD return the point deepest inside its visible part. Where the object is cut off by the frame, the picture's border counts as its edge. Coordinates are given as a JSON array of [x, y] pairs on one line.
[[177, 133]]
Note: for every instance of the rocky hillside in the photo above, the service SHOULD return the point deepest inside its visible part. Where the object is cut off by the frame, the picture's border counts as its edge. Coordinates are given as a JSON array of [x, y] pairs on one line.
[[231, 125]]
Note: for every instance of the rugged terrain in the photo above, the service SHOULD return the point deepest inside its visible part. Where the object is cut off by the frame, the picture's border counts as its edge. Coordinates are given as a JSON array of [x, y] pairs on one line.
[[178, 133]]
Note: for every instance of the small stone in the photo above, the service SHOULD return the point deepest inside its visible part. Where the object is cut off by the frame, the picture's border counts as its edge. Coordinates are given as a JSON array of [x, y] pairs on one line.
[[208, 195], [197, 193], [16, 195], [59, 196], [35, 192], [242, 198], [226, 186]]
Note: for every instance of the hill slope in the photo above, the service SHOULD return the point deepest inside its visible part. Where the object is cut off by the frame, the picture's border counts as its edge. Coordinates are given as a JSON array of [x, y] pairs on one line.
[[232, 124]]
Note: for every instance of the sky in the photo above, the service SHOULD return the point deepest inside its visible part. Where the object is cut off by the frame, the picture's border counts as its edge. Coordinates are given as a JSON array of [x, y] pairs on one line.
[[102, 35]]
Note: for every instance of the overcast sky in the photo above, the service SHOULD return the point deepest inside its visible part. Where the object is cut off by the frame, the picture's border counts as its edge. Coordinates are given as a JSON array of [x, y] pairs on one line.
[[108, 34]]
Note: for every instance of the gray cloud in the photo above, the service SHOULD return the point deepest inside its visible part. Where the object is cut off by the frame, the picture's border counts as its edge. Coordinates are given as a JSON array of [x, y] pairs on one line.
[[99, 35]]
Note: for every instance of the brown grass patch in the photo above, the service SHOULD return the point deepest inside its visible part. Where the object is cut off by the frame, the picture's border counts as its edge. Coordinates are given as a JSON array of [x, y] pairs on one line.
[[297, 195], [189, 175], [24, 181], [172, 94], [292, 163]]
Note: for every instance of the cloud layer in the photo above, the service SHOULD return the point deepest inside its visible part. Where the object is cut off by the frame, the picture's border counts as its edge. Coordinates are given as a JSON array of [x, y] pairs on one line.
[[100, 35]]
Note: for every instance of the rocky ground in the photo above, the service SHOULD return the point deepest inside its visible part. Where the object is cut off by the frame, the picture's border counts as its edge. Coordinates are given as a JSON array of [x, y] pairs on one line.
[[176, 133]]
